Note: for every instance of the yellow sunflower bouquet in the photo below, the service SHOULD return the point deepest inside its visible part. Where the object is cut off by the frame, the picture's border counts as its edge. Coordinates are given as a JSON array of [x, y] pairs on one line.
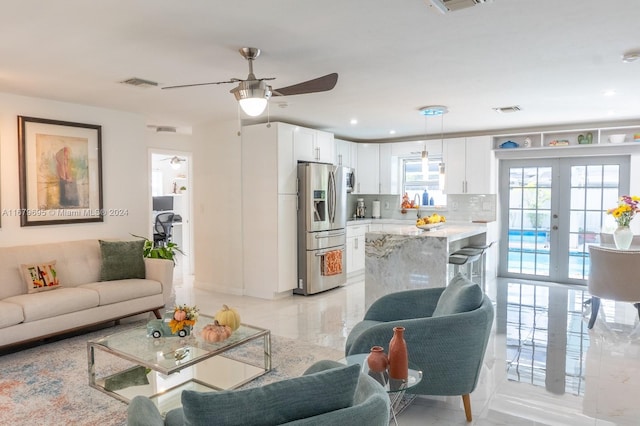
[[628, 206]]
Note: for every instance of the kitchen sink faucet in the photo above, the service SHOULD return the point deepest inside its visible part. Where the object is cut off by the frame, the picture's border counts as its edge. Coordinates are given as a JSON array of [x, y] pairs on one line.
[[417, 204]]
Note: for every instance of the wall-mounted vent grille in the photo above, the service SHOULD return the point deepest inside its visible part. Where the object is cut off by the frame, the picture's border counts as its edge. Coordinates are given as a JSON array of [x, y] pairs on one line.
[[446, 6], [139, 82], [508, 109]]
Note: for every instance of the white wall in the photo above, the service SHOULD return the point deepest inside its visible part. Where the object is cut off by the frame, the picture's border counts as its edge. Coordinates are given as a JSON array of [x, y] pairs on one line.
[[217, 210], [124, 171]]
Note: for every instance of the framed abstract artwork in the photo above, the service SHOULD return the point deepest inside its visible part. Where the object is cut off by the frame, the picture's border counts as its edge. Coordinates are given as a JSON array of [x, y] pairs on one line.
[[60, 166]]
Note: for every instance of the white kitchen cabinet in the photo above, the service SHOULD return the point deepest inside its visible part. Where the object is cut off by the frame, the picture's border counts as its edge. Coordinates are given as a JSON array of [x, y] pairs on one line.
[[368, 170], [313, 145], [355, 248], [345, 154], [274, 146], [468, 165], [269, 219], [388, 180]]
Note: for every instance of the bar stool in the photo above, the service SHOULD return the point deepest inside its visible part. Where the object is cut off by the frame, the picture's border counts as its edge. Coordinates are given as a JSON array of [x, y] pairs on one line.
[[481, 251], [458, 260]]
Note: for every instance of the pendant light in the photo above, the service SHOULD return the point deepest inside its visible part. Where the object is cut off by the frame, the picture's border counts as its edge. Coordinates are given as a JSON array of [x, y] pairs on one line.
[[425, 155], [441, 171]]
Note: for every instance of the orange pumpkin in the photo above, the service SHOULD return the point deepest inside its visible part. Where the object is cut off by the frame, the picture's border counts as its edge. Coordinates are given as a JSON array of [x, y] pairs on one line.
[[179, 315], [216, 332]]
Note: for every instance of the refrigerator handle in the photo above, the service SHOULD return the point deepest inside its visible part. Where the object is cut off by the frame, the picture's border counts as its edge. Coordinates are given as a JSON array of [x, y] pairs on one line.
[[332, 197]]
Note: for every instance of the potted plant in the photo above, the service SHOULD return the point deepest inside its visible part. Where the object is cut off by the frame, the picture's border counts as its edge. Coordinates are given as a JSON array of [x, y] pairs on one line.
[[166, 251]]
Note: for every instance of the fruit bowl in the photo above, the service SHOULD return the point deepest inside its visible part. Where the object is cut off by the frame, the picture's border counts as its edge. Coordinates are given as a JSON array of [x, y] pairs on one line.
[[430, 226]]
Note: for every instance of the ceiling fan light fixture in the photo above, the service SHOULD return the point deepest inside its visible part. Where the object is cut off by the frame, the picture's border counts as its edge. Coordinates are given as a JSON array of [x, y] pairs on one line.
[[252, 96]]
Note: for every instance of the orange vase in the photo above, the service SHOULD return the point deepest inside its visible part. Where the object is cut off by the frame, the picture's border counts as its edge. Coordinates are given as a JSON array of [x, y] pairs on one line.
[[377, 359], [398, 355]]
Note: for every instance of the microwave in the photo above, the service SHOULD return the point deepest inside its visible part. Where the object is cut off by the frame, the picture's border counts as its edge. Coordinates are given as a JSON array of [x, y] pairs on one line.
[[350, 178]]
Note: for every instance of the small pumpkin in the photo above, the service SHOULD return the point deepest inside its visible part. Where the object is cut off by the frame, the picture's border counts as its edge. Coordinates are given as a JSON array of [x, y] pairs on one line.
[[179, 315], [228, 316], [216, 332]]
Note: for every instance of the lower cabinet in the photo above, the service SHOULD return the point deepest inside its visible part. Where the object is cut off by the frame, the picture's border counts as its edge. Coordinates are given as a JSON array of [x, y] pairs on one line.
[[355, 248]]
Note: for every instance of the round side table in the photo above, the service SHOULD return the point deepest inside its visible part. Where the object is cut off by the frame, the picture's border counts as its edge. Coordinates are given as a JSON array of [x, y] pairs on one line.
[[395, 388]]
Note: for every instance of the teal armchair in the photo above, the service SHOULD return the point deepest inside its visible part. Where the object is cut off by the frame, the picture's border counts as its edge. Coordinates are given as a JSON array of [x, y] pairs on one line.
[[328, 393], [446, 330]]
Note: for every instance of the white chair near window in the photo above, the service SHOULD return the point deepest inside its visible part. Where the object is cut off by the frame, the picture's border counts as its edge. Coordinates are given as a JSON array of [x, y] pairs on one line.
[[614, 275]]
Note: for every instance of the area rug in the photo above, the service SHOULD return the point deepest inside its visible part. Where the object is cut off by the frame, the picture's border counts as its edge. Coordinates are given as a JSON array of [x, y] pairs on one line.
[[48, 384]]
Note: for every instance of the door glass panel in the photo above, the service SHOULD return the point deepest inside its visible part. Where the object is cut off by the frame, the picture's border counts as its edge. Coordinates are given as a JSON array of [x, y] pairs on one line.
[[586, 218], [529, 220]]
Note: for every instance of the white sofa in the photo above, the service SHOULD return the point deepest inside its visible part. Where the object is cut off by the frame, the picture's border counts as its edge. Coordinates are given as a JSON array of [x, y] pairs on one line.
[[82, 299]]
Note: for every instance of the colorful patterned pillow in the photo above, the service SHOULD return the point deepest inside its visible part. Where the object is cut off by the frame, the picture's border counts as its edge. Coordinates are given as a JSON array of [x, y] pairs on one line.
[[40, 277]]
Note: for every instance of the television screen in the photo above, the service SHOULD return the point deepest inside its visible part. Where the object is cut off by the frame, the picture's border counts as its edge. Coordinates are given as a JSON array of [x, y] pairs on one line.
[[162, 203]]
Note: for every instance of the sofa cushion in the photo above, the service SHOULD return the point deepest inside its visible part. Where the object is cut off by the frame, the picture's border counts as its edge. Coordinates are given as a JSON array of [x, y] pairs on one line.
[[121, 290], [49, 304], [275, 403], [461, 295], [10, 314], [40, 276], [121, 260]]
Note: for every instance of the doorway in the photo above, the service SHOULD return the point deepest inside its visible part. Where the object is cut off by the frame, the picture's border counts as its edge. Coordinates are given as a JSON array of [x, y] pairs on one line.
[[553, 210], [170, 181]]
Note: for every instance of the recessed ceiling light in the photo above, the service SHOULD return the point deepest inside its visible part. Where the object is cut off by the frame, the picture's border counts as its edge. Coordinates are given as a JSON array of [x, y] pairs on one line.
[[609, 93], [433, 110], [611, 112], [392, 132], [630, 57], [354, 121]]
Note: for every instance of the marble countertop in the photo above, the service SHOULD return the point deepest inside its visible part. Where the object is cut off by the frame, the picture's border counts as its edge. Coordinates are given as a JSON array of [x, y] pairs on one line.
[[451, 231]]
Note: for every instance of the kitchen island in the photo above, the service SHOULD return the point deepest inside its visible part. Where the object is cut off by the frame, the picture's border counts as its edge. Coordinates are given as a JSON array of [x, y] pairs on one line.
[[406, 257]]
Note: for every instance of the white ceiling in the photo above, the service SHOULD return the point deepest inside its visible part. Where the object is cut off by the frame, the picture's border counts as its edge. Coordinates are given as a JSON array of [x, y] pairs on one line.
[[552, 58]]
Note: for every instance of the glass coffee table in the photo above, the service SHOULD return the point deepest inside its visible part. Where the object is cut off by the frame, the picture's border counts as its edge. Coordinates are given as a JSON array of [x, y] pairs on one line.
[[130, 363], [395, 388]]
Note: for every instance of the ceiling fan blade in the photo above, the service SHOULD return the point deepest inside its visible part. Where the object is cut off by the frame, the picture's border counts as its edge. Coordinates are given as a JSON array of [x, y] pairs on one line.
[[233, 80], [320, 84]]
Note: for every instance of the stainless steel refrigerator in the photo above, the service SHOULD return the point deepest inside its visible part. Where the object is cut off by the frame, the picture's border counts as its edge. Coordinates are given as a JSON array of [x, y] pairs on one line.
[[322, 218]]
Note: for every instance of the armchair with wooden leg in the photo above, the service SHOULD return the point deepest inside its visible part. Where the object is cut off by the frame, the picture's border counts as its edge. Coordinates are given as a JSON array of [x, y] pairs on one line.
[[446, 330], [615, 275]]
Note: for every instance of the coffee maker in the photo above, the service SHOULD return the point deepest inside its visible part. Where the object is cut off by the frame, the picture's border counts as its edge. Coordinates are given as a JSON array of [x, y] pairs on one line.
[[360, 208]]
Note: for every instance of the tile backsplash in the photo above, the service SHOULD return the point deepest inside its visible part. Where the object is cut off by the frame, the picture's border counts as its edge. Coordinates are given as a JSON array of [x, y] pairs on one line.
[[460, 207]]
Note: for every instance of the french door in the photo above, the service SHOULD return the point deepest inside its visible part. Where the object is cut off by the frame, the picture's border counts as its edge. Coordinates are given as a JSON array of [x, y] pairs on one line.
[[552, 210]]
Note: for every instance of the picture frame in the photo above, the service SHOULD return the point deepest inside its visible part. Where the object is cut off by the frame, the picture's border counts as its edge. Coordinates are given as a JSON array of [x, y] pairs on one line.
[[60, 168]]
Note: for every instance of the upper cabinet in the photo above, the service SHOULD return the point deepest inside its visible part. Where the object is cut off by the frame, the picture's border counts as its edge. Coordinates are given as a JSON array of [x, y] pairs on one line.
[[313, 145], [388, 182], [346, 154], [468, 165], [271, 146], [368, 170]]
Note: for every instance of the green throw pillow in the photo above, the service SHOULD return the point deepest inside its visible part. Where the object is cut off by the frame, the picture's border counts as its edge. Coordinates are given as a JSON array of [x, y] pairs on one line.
[[461, 295], [121, 260], [275, 403]]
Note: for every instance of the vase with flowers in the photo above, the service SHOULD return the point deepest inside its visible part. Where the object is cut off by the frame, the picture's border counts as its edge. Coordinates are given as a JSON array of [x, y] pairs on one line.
[[623, 213]]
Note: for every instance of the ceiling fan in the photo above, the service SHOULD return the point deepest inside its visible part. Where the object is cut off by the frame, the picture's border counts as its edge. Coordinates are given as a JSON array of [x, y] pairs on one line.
[[253, 93], [175, 161]]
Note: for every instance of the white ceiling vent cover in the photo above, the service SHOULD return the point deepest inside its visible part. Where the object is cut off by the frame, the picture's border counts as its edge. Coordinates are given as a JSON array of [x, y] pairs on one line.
[[508, 109], [446, 6], [139, 82]]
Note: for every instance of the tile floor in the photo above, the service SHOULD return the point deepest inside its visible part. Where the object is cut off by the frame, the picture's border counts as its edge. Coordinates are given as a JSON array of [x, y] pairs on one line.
[[542, 367]]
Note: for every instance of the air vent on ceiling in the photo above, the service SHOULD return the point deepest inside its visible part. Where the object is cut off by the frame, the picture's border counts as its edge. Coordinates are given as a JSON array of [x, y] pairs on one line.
[[139, 82], [508, 109], [446, 6]]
